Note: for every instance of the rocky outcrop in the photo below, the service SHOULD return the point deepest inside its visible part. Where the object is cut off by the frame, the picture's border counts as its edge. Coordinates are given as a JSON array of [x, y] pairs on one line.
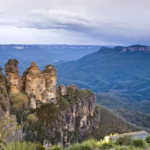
[[65, 114], [40, 85], [4, 98], [62, 90], [73, 118], [78, 118], [13, 76]]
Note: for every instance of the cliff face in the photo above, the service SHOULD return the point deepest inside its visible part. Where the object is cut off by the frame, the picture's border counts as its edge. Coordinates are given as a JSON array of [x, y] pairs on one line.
[[13, 76], [65, 114], [40, 85], [4, 98], [68, 121]]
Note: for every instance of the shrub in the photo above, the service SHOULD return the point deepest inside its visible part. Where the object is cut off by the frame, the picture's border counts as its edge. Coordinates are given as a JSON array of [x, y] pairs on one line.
[[8, 127], [19, 100], [123, 148], [138, 143], [106, 145], [40, 147], [57, 147], [73, 147], [20, 146], [126, 140], [32, 118], [93, 142], [148, 139], [87, 145]]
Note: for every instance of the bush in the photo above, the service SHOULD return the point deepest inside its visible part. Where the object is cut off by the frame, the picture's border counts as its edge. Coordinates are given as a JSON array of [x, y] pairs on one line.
[[148, 139], [87, 145], [106, 146], [73, 147], [40, 147], [19, 101], [138, 143], [20, 146], [126, 140], [57, 147], [93, 142], [123, 148], [32, 118]]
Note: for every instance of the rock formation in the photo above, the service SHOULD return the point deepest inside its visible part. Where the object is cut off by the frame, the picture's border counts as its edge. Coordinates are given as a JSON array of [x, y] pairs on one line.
[[73, 118], [13, 76], [68, 113], [40, 85]]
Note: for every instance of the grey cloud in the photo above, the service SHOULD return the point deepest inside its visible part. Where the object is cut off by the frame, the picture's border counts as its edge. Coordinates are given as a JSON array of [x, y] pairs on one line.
[[57, 19], [99, 21]]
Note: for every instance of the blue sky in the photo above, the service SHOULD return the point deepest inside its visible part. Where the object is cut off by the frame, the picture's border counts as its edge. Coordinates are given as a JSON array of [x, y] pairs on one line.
[[97, 22]]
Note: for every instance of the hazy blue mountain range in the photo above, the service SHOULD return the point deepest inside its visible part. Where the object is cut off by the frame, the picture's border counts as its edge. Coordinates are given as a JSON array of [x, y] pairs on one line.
[[120, 76], [43, 54]]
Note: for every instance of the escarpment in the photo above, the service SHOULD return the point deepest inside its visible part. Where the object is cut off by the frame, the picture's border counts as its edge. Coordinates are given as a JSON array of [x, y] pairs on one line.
[[63, 114], [67, 121]]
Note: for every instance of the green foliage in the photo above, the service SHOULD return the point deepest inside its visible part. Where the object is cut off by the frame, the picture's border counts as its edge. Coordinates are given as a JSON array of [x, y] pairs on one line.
[[87, 145], [8, 126], [47, 112], [63, 103], [138, 143], [106, 146], [32, 118], [3, 106], [148, 139], [3, 92], [75, 146], [40, 147], [140, 119], [19, 101], [110, 124], [20, 146], [126, 140], [57, 147]]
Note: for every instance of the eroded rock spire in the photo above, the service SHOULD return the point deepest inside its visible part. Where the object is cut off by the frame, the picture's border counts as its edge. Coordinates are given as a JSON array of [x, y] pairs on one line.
[[40, 85], [13, 76]]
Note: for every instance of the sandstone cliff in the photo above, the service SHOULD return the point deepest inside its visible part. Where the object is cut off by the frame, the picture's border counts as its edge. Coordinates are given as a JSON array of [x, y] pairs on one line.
[[13, 76], [64, 114], [51, 114], [40, 85], [69, 120]]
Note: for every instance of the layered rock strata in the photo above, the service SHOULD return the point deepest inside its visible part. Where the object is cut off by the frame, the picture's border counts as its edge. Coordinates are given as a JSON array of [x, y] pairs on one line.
[[68, 113], [13, 76], [75, 117], [40, 85]]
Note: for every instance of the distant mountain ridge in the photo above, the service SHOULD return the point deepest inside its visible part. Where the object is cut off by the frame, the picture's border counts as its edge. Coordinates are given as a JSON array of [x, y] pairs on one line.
[[120, 76], [112, 70], [43, 54], [132, 48]]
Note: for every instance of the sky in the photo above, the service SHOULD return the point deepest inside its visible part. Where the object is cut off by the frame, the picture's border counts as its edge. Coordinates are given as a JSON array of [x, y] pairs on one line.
[[83, 22]]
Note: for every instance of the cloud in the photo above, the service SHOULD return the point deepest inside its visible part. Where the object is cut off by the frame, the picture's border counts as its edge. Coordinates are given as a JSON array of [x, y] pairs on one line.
[[96, 21], [57, 19]]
